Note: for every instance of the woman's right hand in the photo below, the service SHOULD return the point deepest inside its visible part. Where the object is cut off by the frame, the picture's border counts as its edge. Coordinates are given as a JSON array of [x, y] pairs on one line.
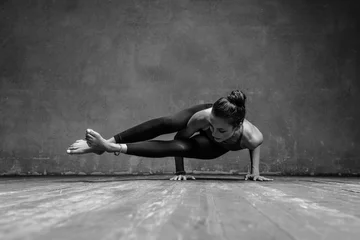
[[182, 177]]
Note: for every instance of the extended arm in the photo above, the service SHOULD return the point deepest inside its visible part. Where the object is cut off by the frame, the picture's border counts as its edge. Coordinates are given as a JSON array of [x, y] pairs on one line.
[[255, 160], [195, 123], [254, 151]]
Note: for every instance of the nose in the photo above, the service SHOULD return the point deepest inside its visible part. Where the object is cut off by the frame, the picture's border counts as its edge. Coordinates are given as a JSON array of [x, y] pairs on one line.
[[214, 134]]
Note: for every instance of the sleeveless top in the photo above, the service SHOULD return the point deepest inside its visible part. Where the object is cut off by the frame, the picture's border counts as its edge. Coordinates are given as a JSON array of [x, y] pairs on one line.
[[231, 145]]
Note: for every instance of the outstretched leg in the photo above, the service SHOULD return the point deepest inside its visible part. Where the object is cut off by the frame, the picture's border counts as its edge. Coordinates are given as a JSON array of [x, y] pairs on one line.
[[159, 126], [144, 131], [198, 146]]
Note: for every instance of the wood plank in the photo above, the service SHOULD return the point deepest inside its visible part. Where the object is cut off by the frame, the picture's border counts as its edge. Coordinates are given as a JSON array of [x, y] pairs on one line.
[[341, 196], [313, 220], [152, 207]]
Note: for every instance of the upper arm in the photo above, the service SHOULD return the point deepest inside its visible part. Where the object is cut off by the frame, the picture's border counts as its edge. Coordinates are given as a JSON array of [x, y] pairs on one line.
[[256, 138], [196, 122]]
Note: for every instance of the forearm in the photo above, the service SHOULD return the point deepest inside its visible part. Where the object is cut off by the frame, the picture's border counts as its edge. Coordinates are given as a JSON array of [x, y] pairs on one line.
[[179, 161], [255, 160], [179, 165]]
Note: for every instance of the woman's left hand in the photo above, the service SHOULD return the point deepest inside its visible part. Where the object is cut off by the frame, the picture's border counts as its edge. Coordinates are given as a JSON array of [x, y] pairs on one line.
[[256, 178]]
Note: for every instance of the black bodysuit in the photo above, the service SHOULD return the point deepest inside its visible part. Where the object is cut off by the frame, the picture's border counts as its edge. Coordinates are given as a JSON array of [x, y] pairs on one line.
[[200, 146]]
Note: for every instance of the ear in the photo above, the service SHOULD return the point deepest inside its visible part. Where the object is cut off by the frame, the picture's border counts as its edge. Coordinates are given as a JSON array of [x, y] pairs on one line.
[[239, 125], [236, 128]]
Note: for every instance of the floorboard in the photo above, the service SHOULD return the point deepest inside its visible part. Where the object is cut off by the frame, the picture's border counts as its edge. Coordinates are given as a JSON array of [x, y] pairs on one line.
[[152, 207]]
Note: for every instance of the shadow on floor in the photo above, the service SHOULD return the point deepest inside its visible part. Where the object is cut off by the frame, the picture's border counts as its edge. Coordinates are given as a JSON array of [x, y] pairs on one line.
[[150, 178]]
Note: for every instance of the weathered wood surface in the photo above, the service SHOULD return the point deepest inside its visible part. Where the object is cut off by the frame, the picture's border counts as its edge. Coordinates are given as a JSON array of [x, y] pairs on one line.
[[155, 208]]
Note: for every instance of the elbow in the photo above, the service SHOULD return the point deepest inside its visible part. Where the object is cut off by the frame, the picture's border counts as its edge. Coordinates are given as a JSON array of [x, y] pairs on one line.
[[261, 139], [257, 142]]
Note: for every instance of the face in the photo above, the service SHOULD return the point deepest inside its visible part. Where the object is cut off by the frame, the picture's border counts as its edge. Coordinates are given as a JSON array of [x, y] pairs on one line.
[[221, 130]]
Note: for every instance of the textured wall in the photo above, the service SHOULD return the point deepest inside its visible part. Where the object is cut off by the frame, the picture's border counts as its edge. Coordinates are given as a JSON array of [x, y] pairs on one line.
[[70, 65]]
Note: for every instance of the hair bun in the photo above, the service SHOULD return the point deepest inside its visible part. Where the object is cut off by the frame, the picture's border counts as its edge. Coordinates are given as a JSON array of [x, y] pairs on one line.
[[237, 98]]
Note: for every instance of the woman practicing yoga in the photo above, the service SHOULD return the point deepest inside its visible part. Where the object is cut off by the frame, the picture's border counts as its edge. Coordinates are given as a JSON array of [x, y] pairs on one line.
[[221, 127]]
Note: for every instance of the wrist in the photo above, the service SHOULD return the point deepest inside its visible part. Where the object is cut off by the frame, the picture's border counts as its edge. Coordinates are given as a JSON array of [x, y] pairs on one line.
[[180, 173], [255, 171]]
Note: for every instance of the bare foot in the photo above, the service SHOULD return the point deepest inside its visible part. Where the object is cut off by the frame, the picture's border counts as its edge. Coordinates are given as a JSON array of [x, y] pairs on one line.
[[81, 147], [96, 141]]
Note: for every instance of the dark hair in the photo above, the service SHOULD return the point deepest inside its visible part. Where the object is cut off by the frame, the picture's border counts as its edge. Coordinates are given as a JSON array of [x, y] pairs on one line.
[[232, 108]]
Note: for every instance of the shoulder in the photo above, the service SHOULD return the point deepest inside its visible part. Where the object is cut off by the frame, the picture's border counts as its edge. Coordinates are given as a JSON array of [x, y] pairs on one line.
[[200, 117], [253, 136]]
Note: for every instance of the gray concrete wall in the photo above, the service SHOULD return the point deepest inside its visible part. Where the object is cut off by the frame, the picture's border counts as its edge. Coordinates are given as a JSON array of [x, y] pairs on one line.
[[70, 65]]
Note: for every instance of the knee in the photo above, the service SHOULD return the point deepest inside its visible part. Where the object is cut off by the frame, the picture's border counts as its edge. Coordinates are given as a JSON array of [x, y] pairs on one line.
[[178, 136], [184, 145]]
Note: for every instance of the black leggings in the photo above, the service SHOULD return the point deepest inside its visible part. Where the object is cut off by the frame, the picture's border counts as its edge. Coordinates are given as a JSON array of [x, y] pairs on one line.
[[198, 146]]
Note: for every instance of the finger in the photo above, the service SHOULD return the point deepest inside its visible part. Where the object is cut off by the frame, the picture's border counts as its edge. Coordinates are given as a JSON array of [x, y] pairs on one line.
[[185, 178], [250, 177], [264, 179], [193, 177], [179, 178]]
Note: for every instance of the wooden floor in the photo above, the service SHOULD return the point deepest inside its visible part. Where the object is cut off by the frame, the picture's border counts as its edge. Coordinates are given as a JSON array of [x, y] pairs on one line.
[[155, 208]]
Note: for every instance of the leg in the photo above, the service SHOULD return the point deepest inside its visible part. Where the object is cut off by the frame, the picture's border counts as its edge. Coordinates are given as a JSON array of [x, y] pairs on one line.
[[144, 131], [199, 147], [159, 126]]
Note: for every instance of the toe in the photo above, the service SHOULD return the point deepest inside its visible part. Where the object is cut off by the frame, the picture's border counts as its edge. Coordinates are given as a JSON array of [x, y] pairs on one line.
[[93, 133]]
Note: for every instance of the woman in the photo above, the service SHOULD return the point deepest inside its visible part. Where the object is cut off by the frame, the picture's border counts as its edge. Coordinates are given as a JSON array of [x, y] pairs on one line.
[[221, 127]]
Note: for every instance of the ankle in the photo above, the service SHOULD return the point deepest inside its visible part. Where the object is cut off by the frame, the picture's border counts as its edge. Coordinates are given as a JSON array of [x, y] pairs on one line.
[[119, 148]]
